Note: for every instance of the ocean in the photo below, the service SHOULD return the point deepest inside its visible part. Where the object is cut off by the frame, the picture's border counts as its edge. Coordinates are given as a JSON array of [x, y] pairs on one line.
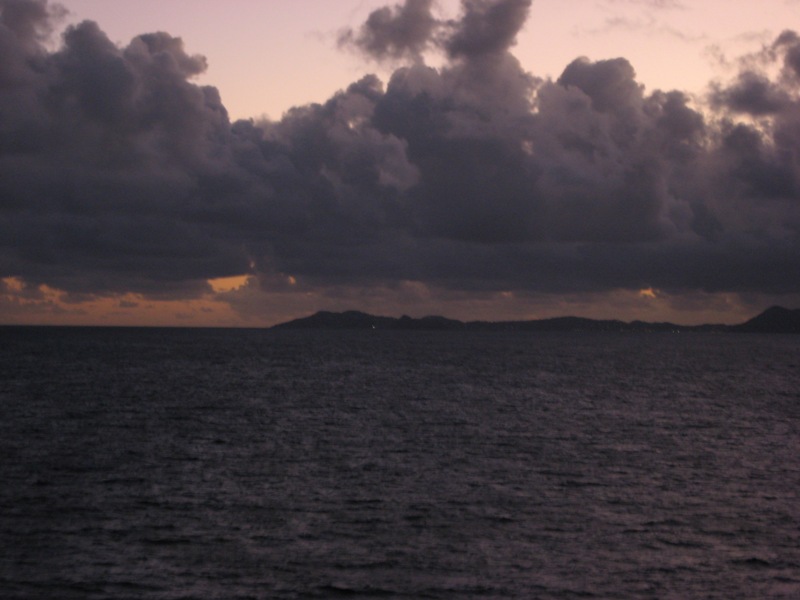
[[212, 463]]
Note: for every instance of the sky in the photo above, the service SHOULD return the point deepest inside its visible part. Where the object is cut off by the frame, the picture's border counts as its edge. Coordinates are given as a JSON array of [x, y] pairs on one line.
[[209, 163]]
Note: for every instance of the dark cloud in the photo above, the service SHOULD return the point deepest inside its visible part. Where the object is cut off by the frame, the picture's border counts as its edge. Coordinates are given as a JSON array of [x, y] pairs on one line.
[[113, 165], [119, 173], [486, 27], [753, 94], [398, 32], [788, 43], [29, 22]]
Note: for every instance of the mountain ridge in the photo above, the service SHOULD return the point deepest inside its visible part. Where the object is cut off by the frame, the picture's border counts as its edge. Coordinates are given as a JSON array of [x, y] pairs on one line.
[[775, 319]]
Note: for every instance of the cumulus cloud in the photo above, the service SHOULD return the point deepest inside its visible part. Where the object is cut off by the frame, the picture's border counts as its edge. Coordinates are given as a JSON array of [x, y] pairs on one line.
[[120, 174], [402, 31], [486, 27]]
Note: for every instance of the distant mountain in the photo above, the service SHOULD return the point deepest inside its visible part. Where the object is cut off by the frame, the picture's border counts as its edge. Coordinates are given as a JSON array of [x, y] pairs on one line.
[[353, 319], [773, 320]]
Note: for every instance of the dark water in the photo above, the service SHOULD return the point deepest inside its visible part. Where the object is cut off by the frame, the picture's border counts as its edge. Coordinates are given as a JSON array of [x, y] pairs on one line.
[[256, 464]]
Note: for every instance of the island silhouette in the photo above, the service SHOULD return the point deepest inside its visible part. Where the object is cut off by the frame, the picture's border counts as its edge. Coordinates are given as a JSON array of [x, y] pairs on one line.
[[773, 320]]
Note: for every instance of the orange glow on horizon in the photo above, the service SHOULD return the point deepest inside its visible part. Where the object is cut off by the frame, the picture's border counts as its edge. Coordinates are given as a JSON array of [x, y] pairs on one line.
[[240, 302], [43, 305]]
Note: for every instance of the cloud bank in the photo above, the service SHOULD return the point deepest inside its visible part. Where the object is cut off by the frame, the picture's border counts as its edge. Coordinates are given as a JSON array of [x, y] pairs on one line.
[[119, 174]]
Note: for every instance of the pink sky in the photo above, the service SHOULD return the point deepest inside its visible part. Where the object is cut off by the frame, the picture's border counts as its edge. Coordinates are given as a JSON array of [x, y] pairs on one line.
[[260, 53]]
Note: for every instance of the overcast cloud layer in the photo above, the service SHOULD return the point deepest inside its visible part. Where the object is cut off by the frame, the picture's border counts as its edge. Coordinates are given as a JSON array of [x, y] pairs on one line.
[[118, 174]]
